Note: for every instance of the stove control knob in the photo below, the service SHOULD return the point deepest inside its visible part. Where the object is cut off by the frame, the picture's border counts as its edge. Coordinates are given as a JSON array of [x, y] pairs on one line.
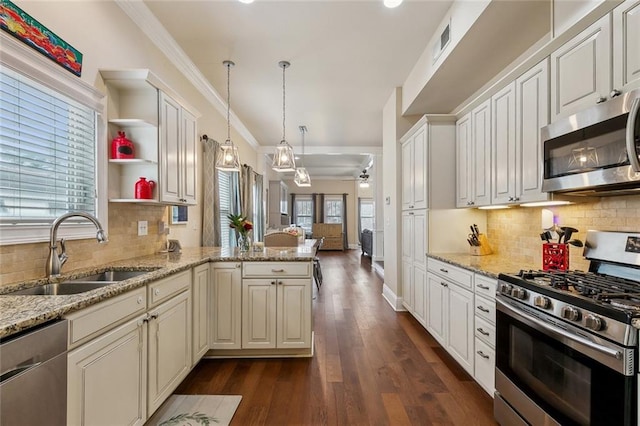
[[519, 293], [542, 302], [594, 323], [570, 313], [505, 288]]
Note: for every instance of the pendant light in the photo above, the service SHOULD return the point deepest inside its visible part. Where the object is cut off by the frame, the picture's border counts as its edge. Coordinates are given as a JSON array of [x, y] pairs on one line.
[[302, 177], [283, 160], [228, 159]]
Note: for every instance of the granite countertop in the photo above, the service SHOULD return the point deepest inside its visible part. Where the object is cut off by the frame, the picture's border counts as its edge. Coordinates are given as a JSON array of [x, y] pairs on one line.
[[20, 312], [490, 265]]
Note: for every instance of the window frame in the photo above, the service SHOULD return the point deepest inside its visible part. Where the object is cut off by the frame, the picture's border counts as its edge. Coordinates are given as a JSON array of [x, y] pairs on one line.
[[304, 199], [333, 198], [27, 62]]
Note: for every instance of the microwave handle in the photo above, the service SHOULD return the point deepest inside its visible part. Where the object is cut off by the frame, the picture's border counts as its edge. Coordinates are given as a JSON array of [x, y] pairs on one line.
[[631, 142]]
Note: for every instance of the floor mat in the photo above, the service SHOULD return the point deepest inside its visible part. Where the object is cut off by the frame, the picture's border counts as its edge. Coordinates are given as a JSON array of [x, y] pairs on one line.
[[196, 410]]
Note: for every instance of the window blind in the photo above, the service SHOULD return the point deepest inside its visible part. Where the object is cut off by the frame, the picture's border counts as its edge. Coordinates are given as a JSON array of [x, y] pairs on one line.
[[224, 187], [47, 152]]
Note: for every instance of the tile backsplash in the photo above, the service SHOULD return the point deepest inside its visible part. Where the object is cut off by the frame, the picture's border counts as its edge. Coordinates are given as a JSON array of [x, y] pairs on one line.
[[515, 232], [27, 261]]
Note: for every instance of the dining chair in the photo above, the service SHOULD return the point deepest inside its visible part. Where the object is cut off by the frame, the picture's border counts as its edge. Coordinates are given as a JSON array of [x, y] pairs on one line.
[[280, 239]]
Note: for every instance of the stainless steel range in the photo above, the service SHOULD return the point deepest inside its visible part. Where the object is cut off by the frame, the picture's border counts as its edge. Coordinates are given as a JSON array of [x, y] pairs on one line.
[[567, 341]]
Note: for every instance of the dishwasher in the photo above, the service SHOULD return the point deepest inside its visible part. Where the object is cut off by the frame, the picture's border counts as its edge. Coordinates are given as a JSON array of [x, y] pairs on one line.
[[33, 376]]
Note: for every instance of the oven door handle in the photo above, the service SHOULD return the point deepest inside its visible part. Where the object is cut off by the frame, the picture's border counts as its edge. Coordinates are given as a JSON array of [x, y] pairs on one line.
[[560, 332], [631, 136]]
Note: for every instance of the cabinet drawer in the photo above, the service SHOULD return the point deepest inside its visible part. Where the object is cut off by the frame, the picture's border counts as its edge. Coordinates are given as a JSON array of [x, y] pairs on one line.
[[486, 308], [276, 269], [163, 289], [105, 315], [485, 331], [485, 364], [485, 286], [460, 276]]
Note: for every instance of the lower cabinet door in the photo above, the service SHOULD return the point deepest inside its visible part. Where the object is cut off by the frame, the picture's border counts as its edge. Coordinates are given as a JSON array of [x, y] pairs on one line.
[[107, 378], [259, 313], [226, 306], [460, 321], [419, 295], [485, 366], [293, 320], [169, 348], [436, 304], [200, 303]]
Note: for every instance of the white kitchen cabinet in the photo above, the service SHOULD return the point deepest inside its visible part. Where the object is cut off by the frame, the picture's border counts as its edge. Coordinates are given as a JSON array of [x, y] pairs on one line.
[[226, 306], [428, 163], [177, 153], [485, 331], [503, 145], [518, 112], [414, 171], [169, 348], [450, 318], [473, 157], [200, 294], [107, 378], [164, 134], [581, 70], [278, 202], [414, 236], [276, 305], [626, 45]]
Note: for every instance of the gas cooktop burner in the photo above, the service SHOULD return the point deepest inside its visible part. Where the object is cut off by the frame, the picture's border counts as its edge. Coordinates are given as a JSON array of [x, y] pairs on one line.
[[589, 284]]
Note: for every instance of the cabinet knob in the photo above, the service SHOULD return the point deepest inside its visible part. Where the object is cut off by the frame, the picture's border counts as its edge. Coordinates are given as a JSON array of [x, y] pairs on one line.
[[153, 316], [156, 291], [273, 282], [510, 199], [139, 300], [614, 93], [483, 309], [481, 331], [444, 284], [600, 99], [237, 265]]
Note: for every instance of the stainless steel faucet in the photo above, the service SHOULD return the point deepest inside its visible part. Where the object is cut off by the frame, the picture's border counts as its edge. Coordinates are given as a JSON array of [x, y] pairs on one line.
[[55, 260]]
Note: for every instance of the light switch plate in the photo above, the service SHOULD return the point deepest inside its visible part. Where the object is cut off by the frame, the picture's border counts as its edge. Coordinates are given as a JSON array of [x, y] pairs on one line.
[[143, 228]]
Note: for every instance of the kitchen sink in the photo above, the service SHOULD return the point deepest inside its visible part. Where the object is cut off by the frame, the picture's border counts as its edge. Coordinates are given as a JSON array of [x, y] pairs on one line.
[[81, 285]]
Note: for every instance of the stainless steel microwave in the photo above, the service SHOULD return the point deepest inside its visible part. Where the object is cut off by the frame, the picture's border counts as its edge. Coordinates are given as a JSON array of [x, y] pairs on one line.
[[596, 151]]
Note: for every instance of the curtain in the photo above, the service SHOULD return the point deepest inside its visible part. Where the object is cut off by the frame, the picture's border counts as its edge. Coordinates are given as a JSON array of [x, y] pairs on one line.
[[258, 203], [211, 210], [344, 221], [359, 221], [314, 207], [294, 210], [247, 182], [321, 208]]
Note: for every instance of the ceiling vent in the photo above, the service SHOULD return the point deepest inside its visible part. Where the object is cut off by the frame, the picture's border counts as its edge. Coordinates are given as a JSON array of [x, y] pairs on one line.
[[442, 42]]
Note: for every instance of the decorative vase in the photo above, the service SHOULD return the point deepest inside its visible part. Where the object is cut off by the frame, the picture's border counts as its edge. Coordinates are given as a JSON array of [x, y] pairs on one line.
[[244, 243], [144, 189], [121, 147]]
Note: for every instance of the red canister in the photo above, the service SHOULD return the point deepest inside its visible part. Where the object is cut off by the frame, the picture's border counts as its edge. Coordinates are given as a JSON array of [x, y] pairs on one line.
[[144, 189], [121, 147]]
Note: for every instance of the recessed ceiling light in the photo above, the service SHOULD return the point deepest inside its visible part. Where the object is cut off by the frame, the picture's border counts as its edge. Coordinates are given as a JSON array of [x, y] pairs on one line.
[[392, 3], [245, 1]]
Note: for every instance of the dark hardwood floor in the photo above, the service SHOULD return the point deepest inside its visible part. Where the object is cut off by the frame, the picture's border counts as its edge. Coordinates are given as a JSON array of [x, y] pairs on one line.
[[372, 366]]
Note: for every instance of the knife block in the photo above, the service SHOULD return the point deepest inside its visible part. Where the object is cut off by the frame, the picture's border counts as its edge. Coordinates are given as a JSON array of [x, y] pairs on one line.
[[483, 249], [555, 257]]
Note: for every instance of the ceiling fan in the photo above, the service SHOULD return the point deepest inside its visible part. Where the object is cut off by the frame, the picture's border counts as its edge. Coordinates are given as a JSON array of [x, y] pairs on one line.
[[364, 179]]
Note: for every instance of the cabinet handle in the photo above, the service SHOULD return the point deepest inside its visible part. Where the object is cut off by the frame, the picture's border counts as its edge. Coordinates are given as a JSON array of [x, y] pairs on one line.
[[277, 270], [470, 203], [600, 99], [482, 354], [481, 331], [410, 213], [444, 284], [237, 265], [444, 270], [614, 93], [273, 282], [484, 287], [483, 309], [280, 282], [411, 207]]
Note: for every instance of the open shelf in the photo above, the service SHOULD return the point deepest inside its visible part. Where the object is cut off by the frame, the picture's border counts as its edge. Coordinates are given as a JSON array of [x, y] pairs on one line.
[[131, 161], [131, 122]]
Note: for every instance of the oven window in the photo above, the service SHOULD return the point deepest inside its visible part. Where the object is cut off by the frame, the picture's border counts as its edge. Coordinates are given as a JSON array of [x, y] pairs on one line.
[[561, 381], [571, 387]]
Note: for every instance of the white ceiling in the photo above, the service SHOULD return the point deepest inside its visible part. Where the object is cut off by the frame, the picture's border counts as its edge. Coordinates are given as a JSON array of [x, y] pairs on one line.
[[346, 58]]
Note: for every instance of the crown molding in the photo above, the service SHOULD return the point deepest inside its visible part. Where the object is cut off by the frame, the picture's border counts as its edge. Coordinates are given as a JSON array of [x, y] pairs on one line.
[[140, 14]]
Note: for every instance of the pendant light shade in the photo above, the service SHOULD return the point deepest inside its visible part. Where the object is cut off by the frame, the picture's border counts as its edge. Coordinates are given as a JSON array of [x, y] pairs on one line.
[[227, 158], [283, 160], [302, 177]]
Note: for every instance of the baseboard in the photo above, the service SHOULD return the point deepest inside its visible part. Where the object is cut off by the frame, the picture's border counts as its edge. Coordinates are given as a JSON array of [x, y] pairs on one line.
[[392, 299], [378, 268]]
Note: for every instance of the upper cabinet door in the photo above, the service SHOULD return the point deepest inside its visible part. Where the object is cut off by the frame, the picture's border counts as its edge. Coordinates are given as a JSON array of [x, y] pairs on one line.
[[581, 70], [189, 157], [481, 140], [503, 145], [464, 162], [169, 150], [414, 176], [532, 113], [626, 45]]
